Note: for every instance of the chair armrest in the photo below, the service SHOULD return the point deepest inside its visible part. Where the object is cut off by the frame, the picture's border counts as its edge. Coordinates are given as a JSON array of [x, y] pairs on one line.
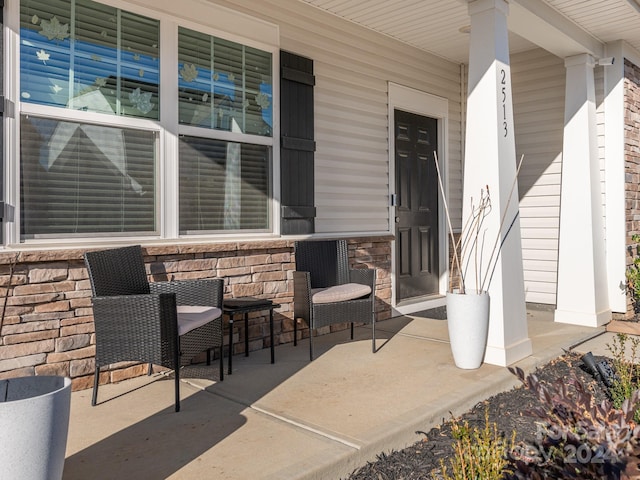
[[302, 295], [364, 276], [207, 291], [136, 327]]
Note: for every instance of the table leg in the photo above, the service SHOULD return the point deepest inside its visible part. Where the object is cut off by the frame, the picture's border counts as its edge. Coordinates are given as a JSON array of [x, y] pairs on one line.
[[273, 355], [230, 342], [246, 334]]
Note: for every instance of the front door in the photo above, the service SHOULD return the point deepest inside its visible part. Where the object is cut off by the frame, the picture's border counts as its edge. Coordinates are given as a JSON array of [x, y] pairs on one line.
[[417, 268]]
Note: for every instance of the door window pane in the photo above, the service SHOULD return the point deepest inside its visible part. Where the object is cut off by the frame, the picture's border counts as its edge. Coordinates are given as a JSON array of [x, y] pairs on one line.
[[84, 55], [223, 186], [224, 85], [78, 178]]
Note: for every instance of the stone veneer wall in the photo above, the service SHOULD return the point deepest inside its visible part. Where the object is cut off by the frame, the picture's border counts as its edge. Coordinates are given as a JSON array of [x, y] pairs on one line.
[[632, 160], [47, 324]]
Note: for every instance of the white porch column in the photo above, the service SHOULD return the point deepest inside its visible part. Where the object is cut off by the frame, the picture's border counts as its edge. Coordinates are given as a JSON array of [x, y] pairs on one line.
[[490, 160], [614, 150], [582, 276]]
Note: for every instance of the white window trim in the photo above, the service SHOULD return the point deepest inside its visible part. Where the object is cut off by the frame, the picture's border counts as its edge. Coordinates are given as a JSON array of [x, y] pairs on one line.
[[71, 115], [11, 121], [259, 34], [224, 135]]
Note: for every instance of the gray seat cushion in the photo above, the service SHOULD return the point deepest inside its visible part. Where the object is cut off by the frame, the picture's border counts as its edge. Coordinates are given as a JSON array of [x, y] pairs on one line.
[[192, 317], [340, 293]]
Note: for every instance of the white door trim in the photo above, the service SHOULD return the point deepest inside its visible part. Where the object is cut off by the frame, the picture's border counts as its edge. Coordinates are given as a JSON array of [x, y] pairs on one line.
[[421, 103]]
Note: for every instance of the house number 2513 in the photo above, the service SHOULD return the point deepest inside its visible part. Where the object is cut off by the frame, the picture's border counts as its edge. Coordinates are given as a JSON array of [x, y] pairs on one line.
[[503, 82]]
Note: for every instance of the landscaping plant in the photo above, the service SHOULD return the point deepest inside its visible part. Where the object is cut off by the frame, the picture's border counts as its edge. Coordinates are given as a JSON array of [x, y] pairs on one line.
[[577, 439], [627, 370], [633, 273], [479, 454]]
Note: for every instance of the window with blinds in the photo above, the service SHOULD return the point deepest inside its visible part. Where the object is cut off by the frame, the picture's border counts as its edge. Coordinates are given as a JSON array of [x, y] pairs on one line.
[[84, 55], [223, 186], [86, 174], [78, 178], [224, 85]]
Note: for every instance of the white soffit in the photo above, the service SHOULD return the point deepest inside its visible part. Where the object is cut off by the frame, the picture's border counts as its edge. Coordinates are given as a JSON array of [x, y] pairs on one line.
[[564, 27], [608, 20], [430, 25]]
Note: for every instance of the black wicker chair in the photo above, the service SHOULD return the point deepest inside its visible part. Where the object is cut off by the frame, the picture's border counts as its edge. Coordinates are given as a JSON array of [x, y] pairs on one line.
[[148, 322], [322, 270]]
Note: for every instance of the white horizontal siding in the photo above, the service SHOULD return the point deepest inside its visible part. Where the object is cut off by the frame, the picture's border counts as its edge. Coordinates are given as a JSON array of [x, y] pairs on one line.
[[538, 103], [543, 190], [530, 201], [540, 255], [541, 265], [353, 66], [543, 276], [527, 220], [542, 233], [535, 297]]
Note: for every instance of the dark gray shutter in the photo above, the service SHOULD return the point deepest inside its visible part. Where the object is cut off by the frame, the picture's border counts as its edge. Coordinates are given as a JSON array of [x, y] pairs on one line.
[[297, 145]]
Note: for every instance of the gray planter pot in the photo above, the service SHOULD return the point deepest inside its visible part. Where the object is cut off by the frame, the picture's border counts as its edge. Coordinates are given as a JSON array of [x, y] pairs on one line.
[[34, 422]]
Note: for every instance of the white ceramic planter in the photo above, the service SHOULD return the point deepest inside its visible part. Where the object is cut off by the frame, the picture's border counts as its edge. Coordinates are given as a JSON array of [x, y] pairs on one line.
[[34, 422], [468, 324]]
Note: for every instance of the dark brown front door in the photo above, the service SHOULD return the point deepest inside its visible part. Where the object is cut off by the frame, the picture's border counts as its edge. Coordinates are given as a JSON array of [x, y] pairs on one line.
[[417, 269]]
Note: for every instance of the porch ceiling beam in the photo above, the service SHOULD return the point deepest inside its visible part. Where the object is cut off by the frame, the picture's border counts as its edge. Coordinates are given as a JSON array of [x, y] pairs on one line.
[[537, 22]]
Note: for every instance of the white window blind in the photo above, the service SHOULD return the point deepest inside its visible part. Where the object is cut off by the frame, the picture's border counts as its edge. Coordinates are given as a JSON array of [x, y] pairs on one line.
[[223, 84], [88, 56], [223, 186], [85, 179]]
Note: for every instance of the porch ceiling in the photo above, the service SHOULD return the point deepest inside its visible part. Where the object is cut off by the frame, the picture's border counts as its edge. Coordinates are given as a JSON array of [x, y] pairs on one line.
[[435, 25]]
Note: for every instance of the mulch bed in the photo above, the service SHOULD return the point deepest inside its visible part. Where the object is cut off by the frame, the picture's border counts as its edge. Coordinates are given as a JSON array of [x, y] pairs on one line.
[[507, 409]]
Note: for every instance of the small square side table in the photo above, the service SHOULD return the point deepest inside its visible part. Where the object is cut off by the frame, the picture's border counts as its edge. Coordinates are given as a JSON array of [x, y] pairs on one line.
[[244, 305]]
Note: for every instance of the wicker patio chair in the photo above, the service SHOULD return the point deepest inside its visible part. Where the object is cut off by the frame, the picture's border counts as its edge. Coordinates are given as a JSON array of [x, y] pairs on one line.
[[327, 291], [161, 323]]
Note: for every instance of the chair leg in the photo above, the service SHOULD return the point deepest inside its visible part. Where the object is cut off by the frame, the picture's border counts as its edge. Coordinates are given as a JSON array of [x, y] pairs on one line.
[[295, 331], [208, 356], [177, 385], [176, 360], [150, 369], [221, 363], [373, 332], [351, 330], [310, 344], [96, 381]]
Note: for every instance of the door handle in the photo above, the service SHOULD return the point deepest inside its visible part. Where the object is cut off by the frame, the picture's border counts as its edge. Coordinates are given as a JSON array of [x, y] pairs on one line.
[[397, 219]]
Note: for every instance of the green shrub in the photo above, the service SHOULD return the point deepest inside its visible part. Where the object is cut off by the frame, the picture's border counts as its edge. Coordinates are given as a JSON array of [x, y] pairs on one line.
[[577, 439], [633, 273], [479, 454], [626, 369]]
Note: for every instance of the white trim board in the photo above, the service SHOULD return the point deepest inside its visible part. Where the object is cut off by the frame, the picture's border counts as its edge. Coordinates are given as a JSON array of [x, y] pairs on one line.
[[421, 103]]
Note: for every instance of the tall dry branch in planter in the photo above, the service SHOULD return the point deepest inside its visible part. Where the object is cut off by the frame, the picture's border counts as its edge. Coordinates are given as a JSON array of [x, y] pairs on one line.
[[469, 247]]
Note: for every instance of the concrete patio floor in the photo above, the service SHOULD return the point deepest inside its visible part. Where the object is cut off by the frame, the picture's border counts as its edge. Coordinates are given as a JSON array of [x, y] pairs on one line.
[[295, 419]]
